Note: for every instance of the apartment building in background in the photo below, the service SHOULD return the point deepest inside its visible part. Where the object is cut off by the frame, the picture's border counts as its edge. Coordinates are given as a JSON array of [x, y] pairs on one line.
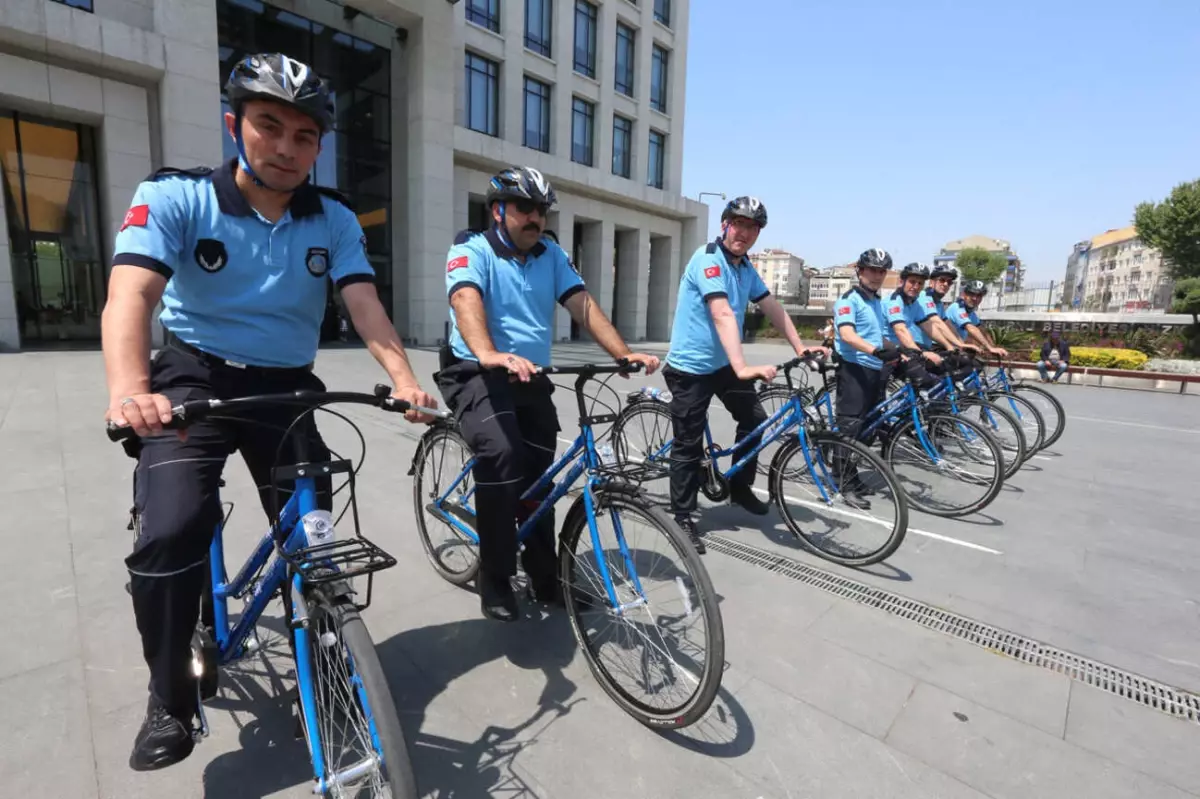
[[432, 98], [1014, 276], [783, 273], [1072, 296], [1122, 274]]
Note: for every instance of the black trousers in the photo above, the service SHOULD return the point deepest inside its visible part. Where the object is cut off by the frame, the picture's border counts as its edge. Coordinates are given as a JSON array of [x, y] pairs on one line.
[[690, 397], [917, 370], [511, 428], [859, 389], [176, 500]]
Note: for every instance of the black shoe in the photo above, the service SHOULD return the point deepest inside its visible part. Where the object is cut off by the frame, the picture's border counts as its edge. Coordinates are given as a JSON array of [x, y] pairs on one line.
[[745, 496], [689, 529], [855, 492], [163, 740], [496, 598]]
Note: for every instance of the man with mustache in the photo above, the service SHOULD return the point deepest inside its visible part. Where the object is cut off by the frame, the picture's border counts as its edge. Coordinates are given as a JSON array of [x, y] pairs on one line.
[[503, 285], [241, 258], [706, 357]]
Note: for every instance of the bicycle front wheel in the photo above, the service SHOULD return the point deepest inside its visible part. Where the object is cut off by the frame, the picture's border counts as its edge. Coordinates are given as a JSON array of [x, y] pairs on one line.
[[839, 499], [1005, 427], [643, 609], [948, 466], [361, 744]]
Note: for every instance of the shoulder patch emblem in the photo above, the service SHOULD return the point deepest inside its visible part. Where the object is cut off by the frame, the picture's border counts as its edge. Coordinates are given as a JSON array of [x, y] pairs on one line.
[[137, 216], [895, 309], [461, 262], [210, 255], [317, 261], [712, 271], [843, 310]]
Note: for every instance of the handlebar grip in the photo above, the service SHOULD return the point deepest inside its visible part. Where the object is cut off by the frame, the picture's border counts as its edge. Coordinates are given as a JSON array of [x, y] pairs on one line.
[[403, 406], [117, 433]]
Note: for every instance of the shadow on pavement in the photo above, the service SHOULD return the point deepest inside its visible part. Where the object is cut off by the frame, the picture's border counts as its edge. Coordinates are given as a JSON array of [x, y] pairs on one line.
[[725, 731], [979, 519]]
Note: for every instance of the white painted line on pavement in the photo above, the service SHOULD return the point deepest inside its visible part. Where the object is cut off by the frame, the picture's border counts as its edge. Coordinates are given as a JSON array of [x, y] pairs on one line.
[[926, 533], [1136, 424]]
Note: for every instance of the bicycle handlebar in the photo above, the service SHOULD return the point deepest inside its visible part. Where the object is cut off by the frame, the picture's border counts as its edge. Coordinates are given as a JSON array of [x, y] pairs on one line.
[[187, 413], [810, 357], [620, 367]]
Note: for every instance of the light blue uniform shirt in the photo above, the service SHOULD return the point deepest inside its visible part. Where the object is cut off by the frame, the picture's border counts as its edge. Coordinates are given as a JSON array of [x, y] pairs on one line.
[[240, 287], [695, 346], [901, 310], [959, 316], [862, 311], [518, 298]]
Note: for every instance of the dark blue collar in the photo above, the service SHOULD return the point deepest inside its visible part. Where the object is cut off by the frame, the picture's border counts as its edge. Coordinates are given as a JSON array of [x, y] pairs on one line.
[[730, 258], [869, 296], [501, 247], [306, 200], [900, 293]]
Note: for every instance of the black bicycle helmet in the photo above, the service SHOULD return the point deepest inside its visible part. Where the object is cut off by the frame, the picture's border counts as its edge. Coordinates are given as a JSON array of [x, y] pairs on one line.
[[748, 207], [975, 287], [876, 259], [914, 270], [274, 76], [521, 183], [943, 270]]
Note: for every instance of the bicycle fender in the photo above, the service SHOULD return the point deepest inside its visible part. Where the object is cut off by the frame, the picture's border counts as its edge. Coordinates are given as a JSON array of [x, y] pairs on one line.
[[436, 427], [577, 507]]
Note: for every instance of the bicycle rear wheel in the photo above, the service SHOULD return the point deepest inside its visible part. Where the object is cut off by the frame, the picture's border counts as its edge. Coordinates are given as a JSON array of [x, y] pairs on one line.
[[839, 499], [1054, 417], [656, 644], [441, 458], [949, 466], [1003, 426], [642, 435], [362, 745], [772, 397]]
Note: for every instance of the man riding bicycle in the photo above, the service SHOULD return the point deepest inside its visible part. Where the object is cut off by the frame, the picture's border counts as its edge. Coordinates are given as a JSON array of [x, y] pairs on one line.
[[502, 285], [868, 356], [706, 358], [966, 322], [915, 325], [241, 258]]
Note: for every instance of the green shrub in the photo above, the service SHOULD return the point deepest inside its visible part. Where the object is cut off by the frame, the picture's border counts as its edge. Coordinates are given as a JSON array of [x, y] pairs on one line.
[[1108, 358]]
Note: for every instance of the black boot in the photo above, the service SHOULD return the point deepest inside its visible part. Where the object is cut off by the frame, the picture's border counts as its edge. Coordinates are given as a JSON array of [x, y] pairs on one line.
[[496, 597], [689, 529], [163, 740], [745, 496]]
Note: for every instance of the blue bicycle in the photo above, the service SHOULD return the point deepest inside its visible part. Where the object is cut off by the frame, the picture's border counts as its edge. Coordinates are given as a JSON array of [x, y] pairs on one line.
[[839, 499], [349, 720], [640, 602]]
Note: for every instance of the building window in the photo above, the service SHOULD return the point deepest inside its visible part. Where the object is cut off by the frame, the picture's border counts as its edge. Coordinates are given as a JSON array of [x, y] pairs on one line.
[[623, 82], [658, 79], [662, 11], [356, 156], [83, 5], [48, 176], [537, 115], [483, 91], [485, 13], [583, 127], [622, 146], [657, 159], [585, 38], [538, 26]]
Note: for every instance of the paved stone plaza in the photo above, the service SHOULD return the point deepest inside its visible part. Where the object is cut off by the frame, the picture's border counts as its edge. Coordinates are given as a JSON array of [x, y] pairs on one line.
[[1089, 548]]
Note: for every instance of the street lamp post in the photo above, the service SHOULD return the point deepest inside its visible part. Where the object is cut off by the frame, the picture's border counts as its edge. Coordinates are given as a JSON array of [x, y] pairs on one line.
[[700, 197]]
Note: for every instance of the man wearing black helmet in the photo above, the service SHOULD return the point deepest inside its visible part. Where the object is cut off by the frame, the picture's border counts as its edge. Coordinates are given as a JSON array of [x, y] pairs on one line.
[[706, 357], [503, 285], [868, 355], [914, 322], [962, 315], [241, 258]]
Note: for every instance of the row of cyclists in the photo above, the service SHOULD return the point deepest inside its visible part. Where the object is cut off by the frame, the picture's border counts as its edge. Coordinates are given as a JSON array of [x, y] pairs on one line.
[[240, 256]]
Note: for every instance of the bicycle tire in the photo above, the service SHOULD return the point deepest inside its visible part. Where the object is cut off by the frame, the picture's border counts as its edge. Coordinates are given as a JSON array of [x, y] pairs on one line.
[[1014, 456], [1028, 416], [434, 440], [625, 420], [575, 526], [905, 431], [387, 737], [1060, 421], [822, 442]]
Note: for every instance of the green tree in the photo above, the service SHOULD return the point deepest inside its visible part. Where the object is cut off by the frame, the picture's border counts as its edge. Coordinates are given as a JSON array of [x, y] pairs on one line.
[[976, 263], [1173, 228], [1187, 300]]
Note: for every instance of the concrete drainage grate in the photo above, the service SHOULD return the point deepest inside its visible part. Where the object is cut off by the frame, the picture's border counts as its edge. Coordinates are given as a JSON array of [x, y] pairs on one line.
[[1172, 701]]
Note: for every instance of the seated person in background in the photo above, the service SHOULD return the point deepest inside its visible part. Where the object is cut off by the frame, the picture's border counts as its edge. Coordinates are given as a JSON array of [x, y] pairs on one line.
[[1056, 353]]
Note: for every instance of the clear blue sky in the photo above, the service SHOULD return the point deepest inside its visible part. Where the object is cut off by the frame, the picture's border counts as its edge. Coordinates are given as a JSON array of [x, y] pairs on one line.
[[904, 124]]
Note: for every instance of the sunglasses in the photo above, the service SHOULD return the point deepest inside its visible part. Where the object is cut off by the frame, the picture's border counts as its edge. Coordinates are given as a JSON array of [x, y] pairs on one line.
[[529, 206]]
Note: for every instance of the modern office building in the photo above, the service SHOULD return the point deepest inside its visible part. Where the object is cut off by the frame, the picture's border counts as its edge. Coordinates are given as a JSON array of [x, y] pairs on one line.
[[432, 98]]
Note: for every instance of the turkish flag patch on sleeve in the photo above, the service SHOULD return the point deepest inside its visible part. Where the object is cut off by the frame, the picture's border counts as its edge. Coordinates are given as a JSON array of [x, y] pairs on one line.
[[712, 271], [895, 309], [137, 216], [843, 311], [460, 262]]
